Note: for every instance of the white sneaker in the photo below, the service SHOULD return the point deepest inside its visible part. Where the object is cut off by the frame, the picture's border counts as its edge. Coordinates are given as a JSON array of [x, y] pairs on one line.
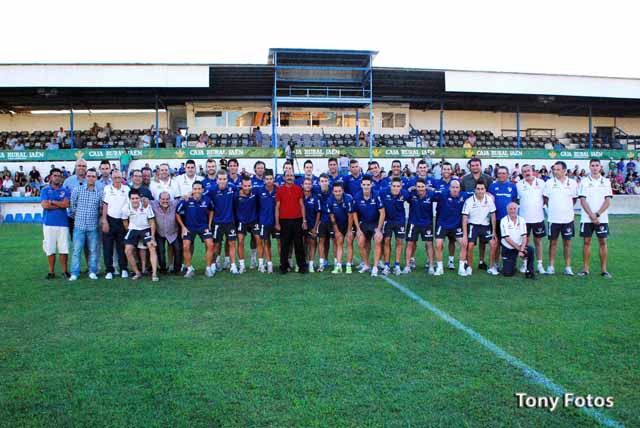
[[311, 269], [73, 278], [262, 269], [234, 270], [296, 268], [365, 269], [108, 276], [93, 275], [269, 268], [469, 271], [523, 268], [493, 271], [550, 270], [360, 266], [254, 262], [374, 271], [541, 270], [226, 265], [438, 272], [242, 269], [321, 267], [568, 271], [431, 271], [190, 272], [397, 271], [209, 272], [124, 274], [406, 270], [450, 265], [381, 265], [462, 271], [386, 270], [412, 263]]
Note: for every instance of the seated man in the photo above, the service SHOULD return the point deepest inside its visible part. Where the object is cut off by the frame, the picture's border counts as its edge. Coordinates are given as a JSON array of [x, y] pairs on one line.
[[140, 225], [515, 242]]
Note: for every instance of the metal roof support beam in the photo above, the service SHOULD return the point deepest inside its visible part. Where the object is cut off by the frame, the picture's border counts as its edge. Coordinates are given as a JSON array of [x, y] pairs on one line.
[[71, 135], [590, 129], [441, 123], [157, 120], [518, 124]]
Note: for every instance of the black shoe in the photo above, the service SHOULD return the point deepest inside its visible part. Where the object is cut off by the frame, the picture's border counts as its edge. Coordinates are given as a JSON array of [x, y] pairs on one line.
[[51, 275], [606, 275], [66, 275], [482, 266]]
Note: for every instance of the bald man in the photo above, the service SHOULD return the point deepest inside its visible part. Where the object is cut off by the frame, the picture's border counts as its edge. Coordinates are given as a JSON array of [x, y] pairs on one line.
[[515, 242]]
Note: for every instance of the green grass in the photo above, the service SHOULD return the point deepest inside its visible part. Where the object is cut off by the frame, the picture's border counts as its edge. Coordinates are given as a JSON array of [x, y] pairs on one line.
[[315, 350]]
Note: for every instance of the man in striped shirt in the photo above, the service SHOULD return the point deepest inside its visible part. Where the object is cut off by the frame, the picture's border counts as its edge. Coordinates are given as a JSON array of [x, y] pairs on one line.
[[85, 207]]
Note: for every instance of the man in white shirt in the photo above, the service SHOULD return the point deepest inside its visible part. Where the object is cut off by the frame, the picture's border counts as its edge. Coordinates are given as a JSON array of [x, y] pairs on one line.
[[530, 190], [513, 230], [595, 196], [115, 197], [479, 222], [186, 180], [140, 224], [560, 194], [164, 183]]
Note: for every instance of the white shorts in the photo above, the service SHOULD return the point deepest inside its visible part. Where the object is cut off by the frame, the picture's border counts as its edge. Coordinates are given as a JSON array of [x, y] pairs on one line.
[[56, 240]]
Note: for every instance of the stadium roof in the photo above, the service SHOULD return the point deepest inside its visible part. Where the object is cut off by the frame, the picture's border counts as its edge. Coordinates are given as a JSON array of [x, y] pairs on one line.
[[135, 86]]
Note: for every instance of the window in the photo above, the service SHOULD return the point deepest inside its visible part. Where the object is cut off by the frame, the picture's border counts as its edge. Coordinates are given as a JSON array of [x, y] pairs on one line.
[[394, 120], [211, 118], [295, 118], [324, 119], [252, 118], [387, 120], [349, 120]]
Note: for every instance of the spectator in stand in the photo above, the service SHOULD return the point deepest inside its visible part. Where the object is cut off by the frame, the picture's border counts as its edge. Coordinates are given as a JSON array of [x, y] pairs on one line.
[[11, 143], [620, 165], [257, 136], [94, 129], [55, 201], [7, 184], [60, 136], [65, 173], [125, 160], [203, 140], [53, 145], [19, 176], [631, 166], [107, 130], [19, 146]]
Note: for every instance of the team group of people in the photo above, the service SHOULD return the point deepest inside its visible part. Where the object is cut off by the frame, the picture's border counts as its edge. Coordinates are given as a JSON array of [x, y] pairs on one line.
[[151, 223]]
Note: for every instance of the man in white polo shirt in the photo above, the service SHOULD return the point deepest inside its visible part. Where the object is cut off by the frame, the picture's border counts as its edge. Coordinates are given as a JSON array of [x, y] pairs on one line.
[[114, 198], [532, 210], [186, 180], [140, 224], [560, 194], [164, 183], [595, 196], [479, 222], [513, 230]]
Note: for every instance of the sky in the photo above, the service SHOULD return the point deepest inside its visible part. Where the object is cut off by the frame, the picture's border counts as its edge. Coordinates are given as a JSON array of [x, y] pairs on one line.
[[595, 38]]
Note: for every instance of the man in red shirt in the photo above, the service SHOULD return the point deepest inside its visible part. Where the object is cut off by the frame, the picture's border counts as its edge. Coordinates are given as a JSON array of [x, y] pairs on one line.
[[291, 222]]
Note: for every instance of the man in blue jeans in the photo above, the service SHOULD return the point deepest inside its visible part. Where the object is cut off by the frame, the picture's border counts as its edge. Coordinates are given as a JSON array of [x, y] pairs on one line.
[[86, 202]]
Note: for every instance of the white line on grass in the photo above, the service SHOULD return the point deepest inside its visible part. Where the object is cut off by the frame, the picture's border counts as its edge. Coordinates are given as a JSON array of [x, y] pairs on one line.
[[528, 372]]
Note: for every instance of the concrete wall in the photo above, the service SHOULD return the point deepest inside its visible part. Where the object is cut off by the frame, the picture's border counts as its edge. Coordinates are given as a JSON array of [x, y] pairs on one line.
[[82, 121]]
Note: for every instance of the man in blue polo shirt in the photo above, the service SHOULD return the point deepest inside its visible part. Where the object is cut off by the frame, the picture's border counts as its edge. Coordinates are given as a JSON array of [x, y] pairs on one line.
[[246, 209], [420, 224], [352, 180], [422, 172], [504, 192], [339, 207], [449, 224], [308, 173], [396, 171], [258, 178], [54, 200], [368, 218], [223, 220], [195, 215], [266, 221], [393, 200]]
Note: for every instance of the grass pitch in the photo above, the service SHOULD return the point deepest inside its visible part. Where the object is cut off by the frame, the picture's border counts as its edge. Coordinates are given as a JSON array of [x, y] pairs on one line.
[[314, 350]]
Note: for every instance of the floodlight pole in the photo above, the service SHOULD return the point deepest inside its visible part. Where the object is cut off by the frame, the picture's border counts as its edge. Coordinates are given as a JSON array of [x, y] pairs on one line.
[[518, 123], [370, 108], [274, 115], [71, 136], [590, 129], [441, 124], [357, 127], [157, 123]]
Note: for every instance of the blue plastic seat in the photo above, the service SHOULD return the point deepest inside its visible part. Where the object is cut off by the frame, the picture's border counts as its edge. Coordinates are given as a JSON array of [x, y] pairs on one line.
[[8, 218], [28, 218], [19, 218], [37, 218]]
